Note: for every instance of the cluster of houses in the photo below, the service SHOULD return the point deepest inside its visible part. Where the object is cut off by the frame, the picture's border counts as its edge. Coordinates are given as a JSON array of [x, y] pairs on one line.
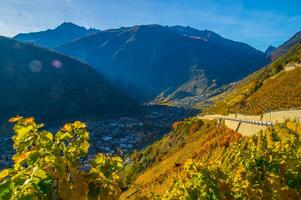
[[116, 136], [125, 134]]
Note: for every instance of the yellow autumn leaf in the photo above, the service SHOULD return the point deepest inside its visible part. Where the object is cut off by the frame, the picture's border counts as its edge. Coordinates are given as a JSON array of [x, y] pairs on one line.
[[47, 135], [18, 158], [67, 127], [79, 125], [115, 176], [4, 173]]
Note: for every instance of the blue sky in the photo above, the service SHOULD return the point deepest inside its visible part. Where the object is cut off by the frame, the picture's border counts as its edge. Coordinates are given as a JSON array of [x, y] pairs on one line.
[[257, 22]]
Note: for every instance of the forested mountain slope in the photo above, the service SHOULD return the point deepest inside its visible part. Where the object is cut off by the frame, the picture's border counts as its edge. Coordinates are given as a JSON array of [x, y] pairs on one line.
[[37, 82]]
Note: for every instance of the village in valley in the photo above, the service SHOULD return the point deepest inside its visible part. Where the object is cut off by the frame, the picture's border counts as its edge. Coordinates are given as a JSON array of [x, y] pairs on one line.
[[118, 136], [121, 136]]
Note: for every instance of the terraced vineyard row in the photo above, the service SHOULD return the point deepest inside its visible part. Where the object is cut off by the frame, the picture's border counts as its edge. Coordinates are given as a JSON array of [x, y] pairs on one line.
[[265, 166], [209, 162], [274, 87], [279, 93]]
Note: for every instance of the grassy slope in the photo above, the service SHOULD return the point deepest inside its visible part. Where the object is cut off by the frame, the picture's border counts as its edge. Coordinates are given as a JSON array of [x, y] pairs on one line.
[[269, 88]]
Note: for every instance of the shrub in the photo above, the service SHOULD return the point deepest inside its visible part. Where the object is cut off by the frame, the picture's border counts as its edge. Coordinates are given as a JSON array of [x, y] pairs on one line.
[[53, 166]]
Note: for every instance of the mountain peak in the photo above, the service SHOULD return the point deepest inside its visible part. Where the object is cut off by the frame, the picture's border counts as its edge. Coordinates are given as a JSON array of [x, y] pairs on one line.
[[269, 51], [121, 53], [69, 24], [51, 38]]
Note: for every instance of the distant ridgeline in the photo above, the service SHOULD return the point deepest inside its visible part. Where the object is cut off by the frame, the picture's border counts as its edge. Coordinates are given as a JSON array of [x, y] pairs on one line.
[[52, 38], [284, 48], [38, 82], [182, 64]]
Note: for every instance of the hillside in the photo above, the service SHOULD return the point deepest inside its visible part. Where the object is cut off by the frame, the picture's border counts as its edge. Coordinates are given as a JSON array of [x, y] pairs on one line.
[[284, 48], [275, 87], [52, 38], [37, 82], [154, 59], [200, 160], [197, 158]]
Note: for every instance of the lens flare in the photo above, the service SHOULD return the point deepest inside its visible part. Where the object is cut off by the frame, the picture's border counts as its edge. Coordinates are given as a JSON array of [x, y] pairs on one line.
[[57, 64], [35, 66]]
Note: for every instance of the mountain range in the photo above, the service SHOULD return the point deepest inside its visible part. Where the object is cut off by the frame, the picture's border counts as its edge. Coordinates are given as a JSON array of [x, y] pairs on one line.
[[178, 65], [51, 38], [35, 81]]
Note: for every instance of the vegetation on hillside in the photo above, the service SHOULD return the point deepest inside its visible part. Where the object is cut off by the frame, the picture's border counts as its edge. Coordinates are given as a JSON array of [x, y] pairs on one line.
[[265, 166], [53, 166], [161, 161], [271, 88], [38, 82], [286, 46], [217, 163], [156, 152]]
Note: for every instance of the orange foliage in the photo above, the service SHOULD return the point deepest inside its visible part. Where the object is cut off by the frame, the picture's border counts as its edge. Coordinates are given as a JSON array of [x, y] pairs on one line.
[[175, 125]]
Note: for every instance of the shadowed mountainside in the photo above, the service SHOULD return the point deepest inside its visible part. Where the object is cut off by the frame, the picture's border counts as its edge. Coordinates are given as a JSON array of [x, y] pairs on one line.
[[37, 82], [154, 58]]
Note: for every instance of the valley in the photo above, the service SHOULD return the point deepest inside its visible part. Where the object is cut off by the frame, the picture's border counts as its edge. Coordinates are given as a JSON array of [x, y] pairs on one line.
[[151, 110], [119, 136], [136, 132]]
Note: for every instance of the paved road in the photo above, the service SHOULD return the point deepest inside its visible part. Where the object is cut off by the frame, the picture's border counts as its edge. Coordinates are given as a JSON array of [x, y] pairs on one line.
[[250, 124], [259, 123]]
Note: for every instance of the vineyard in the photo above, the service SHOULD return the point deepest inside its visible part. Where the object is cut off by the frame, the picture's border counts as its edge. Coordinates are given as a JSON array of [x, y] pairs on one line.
[[197, 160], [266, 166], [53, 166], [223, 165], [287, 94], [271, 88]]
